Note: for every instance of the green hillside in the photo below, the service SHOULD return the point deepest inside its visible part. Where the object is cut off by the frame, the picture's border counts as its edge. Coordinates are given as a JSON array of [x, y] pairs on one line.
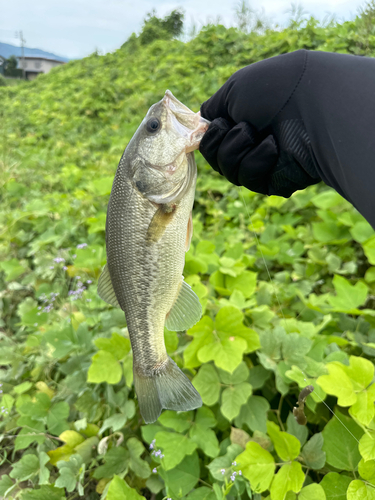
[[287, 287]]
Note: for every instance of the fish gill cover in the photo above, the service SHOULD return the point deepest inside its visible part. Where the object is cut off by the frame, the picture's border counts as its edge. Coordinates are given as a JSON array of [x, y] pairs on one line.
[[70, 423]]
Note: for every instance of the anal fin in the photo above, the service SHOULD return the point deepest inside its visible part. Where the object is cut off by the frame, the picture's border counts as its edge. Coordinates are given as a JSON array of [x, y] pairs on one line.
[[105, 288], [185, 312]]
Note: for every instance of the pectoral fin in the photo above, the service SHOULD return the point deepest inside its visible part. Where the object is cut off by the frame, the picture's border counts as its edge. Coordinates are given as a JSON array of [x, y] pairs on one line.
[[185, 312], [159, 222], [105, 288]]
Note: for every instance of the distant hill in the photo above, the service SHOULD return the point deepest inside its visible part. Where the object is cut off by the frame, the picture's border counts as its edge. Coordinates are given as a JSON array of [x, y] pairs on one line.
[[7, 50]]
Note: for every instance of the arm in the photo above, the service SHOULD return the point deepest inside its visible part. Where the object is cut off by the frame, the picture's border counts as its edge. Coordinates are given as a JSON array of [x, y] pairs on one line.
[[293, 120]]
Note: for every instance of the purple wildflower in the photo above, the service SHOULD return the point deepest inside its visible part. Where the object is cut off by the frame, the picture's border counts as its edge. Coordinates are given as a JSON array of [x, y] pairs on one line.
[[154, 470], [152, 444], [59, 259], [65, 268], [222, 471], [234, 463], [82, 245], [89, 281]]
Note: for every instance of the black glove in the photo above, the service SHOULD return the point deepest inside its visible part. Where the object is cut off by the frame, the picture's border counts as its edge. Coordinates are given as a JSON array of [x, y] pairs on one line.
[[275, 161]]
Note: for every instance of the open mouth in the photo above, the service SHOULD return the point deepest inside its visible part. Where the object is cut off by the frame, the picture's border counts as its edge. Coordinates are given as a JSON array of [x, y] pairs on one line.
[[188, 124]]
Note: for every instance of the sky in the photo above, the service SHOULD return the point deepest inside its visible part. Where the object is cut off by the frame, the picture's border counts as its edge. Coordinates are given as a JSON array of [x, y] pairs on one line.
[[76, 28]]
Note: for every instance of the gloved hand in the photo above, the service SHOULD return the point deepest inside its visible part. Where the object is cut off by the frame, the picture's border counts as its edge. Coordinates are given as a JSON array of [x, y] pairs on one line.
[[250, 141]]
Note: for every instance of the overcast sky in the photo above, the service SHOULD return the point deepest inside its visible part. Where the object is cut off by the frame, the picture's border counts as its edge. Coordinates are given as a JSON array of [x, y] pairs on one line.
[[75, 28]]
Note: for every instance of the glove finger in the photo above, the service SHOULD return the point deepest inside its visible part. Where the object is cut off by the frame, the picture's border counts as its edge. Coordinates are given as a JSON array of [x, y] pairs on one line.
[[211, 141], [244, 158], [256, 167]]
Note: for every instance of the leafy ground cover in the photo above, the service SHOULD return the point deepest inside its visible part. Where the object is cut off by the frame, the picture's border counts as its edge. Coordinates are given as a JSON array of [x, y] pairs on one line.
[[69, 423]]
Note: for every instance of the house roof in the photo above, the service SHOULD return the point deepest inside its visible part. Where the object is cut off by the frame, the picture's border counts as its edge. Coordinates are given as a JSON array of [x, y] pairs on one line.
[[41, 59]]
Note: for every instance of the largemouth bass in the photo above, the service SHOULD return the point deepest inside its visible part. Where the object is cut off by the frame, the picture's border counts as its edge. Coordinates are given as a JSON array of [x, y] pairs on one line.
[[148, 231]]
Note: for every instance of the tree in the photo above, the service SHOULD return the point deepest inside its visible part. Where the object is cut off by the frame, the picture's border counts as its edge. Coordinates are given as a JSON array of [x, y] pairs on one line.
[[10, 68], [155, 28]]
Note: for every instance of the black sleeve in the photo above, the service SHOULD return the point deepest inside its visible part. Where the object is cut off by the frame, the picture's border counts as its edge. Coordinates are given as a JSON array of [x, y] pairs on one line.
[[319, 107]]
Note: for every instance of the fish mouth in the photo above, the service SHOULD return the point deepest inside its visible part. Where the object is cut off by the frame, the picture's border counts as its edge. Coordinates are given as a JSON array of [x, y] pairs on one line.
[[192, 126]]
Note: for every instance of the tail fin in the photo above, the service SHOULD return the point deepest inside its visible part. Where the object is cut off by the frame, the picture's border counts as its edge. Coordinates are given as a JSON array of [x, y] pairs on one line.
[[169, 389]]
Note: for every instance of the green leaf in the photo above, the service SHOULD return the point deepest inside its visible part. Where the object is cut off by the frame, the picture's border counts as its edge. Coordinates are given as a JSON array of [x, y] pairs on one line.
[[207, 384], [43, 471], [119, 490], [202, 493], [206, 439], [140, 467], [202, 334], [361, 231], [68, 472], [86, 448], [358, 490], [175, 447], [312, 492], [340, 446], [179, 422], [72, 438], [31, 431], [254, 414], [286, 445], [205, 418], [38, 409], [182, 478], [44, 493], [115, 422], [226, 353], [6, 484], [327, 199], [367, 470], [224, 462], [360, 371], [369, 249], [104, 368], [367, 445], [290, 477], [116, 462], [335, 486], [363, 409], [239, 375], [229, 322], [312, 453], [257, 466], [22, 388], [56, 419], [233, 398], [327, 232], [338, 383], [117, 345], [299, 431], [348, 296], [245, 283], [26, 468], [12, 269]]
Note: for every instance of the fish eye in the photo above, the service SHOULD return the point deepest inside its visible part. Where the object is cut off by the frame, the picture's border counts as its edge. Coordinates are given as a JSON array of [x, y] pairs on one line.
[[153, 125]]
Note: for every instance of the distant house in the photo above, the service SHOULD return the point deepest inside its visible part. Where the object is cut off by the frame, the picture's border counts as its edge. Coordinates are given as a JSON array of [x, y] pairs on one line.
[[33, 66], [2, 65]]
